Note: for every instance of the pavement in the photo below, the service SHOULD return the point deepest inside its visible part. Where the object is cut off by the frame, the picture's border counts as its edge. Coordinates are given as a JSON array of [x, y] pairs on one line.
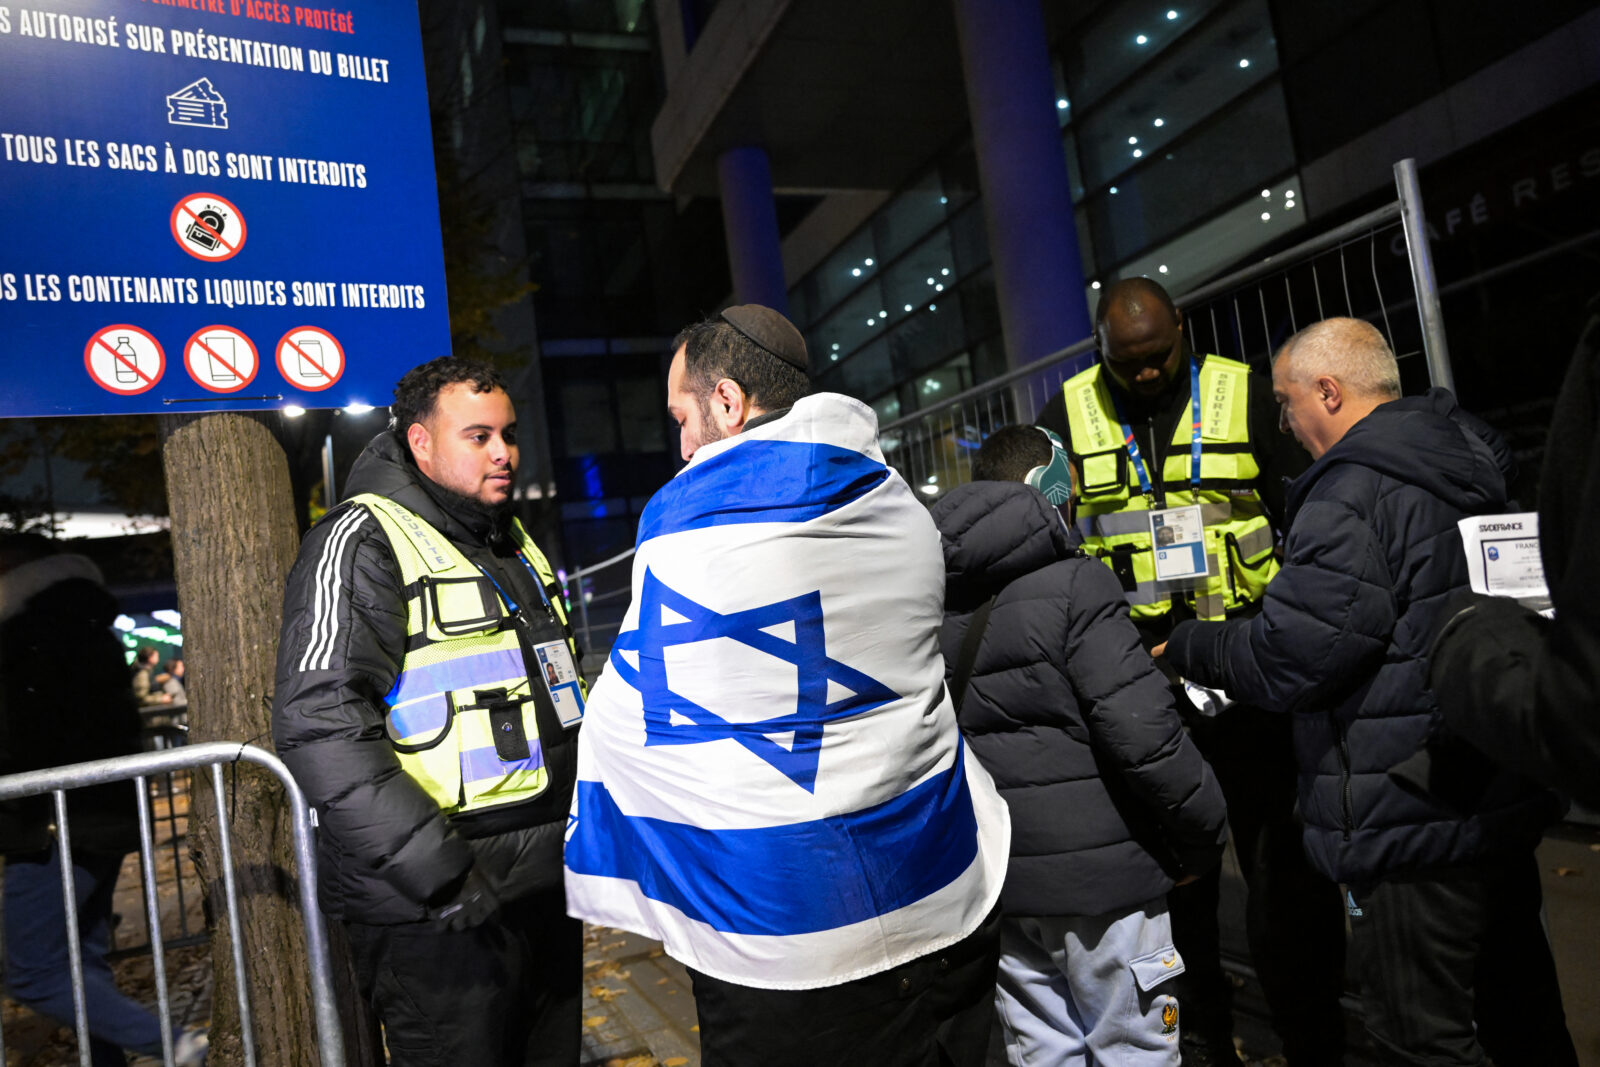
[[638, 1007]]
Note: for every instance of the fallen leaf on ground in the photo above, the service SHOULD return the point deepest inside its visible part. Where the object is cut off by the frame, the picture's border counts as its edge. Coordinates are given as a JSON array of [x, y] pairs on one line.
[[1568, 872], [593, 1021]]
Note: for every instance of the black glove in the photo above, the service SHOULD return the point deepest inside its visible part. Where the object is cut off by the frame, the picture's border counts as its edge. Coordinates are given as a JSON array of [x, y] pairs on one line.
[[474, 904]]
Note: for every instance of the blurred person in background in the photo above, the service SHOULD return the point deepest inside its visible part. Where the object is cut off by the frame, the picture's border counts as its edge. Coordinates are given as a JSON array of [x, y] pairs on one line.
[[64, 698]]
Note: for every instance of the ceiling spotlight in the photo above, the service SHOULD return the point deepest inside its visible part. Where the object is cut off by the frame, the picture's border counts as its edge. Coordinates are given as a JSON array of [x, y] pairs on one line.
[[868, 261], [1171, 15], [1133, 140], [944, 200], [1289, 193], [1061, 104], [938, 288], [836, 346], [1141, 39], [929, 490], [1265, 215], [872, 322], [908, 307], [1162, 268], [945, 271], [930, 281], [1243, 63], [1113, 190], [1266, 193], [834, 356], [1288, 205], [855, 272], [933, 307], [293, 411], [1137, 152], [883, 314], [1094, 285], [357, 408], [1159, 122]]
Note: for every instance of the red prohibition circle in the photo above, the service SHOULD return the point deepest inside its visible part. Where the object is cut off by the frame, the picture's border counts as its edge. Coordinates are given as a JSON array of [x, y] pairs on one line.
[[278, 355], [255, 357], [98, 337], [180, 209]]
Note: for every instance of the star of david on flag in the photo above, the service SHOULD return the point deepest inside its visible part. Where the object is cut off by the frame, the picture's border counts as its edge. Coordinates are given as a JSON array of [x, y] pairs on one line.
[[789, 631]]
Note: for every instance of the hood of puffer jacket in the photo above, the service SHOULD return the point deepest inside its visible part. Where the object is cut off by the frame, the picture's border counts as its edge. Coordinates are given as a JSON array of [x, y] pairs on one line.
[[384, 468], [1427, 441], [994, 533], [21, 584]]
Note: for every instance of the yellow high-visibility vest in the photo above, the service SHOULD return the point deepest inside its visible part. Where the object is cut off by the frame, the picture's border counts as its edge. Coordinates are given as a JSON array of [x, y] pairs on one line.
[[463, 704], [1113, 514]]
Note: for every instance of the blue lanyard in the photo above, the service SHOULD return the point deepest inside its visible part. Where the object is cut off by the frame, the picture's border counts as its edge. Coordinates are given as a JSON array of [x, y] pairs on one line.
[[1132, 443], [512, 604]]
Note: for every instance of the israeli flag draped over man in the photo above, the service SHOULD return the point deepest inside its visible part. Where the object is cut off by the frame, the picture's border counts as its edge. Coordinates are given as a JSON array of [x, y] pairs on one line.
[[771, 781]]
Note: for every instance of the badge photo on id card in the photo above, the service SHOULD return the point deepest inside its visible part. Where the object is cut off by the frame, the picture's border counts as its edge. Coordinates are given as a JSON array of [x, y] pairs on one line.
[[560, 677], [1178, 539]]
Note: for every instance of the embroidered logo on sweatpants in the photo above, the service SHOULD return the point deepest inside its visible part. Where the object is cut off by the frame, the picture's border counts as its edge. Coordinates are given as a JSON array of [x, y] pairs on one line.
[[1169, 1017]]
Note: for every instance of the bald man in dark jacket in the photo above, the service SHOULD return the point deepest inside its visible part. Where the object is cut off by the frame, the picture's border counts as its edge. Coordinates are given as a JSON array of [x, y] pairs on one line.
[[1444, 892]]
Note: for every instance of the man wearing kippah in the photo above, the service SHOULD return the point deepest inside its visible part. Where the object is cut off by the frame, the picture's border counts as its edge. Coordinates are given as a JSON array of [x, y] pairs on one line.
[[772, 781]]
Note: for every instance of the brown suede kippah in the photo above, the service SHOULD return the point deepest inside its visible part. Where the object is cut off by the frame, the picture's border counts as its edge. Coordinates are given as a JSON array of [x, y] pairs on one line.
[[769, 331]]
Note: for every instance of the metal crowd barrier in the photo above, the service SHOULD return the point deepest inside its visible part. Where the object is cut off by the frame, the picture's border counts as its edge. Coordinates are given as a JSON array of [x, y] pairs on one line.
[[1245, 315], [58, 780], [599, 593]]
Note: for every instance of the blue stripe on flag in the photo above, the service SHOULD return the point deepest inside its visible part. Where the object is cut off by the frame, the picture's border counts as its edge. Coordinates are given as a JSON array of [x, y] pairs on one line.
[[761, 481], [480, 763], [792, 879], [484, 668]]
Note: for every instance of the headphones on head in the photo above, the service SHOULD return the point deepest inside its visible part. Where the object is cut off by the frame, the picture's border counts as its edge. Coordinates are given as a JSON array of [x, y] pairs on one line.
[[1054, 479]]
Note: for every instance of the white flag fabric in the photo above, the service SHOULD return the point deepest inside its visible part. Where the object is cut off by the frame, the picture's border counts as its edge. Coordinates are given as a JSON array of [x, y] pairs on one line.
[[770, 777]]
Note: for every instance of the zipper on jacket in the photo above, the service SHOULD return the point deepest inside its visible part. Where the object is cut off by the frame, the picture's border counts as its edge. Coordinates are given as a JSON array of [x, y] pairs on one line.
[[1344, 775]]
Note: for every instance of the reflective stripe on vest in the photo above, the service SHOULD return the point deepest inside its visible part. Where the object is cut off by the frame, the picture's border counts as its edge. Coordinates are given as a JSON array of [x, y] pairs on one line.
[[1112, 513], [463, 673]]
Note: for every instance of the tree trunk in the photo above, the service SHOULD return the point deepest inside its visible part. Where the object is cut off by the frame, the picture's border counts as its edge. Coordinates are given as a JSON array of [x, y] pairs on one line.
[[233, 542]]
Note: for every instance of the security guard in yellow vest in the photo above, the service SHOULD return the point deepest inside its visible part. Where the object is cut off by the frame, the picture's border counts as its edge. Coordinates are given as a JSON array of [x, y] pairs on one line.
[[1152, 429], [428, 701]]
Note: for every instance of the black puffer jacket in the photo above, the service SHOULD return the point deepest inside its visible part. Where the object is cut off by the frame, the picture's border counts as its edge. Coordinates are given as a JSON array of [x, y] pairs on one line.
[[385, 850], [1373, 552], [1110, 800]]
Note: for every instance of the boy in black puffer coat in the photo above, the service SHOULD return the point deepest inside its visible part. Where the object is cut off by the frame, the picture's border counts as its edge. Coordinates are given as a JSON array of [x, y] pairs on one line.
[[1111, 803]]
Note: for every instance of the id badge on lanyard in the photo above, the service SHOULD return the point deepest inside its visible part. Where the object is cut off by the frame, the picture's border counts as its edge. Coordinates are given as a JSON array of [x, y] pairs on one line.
[[560, 677], [1178, 537], [554, 659], [1177, 534]]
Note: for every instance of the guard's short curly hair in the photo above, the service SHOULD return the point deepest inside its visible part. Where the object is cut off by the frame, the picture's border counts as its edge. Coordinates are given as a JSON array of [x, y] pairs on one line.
[[714, 350], [417, 394]]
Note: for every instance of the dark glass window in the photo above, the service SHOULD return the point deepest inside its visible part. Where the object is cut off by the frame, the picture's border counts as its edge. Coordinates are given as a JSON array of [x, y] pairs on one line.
[[1247, 145], [1216, 63], [1110, 50]]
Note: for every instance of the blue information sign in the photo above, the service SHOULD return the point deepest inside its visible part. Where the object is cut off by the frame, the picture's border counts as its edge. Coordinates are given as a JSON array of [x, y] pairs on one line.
[[214, 205]]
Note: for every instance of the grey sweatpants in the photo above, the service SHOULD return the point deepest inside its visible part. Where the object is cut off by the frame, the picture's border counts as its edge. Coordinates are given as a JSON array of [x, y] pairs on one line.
[[1088, 989]]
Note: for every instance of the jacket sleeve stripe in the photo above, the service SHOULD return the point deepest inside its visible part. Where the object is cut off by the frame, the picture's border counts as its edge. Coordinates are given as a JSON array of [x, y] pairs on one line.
[[325, 606]]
